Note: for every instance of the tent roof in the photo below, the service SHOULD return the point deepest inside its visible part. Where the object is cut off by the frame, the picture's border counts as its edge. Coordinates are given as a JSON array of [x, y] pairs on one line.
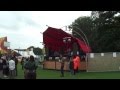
[[53, 38]]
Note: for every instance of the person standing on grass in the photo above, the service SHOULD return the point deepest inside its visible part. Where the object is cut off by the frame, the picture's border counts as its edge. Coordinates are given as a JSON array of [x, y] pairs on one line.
[[78, 63], [75, 64], [1, 68], [25, 71], [4, 67], [7, 68], [30, 68], [22, 62], [12, 68], [16, 63], [62, 68], [71, 66]]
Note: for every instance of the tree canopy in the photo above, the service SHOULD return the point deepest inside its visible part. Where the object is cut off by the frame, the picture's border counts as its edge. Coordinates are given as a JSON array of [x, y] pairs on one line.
[[101, 30], [36, 51]]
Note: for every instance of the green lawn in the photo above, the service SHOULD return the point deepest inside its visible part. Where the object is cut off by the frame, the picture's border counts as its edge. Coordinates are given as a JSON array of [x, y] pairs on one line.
[[53, 74]]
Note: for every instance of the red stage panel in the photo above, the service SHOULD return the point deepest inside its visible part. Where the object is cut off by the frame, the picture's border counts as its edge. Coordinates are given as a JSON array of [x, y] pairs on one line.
[[53, 38]]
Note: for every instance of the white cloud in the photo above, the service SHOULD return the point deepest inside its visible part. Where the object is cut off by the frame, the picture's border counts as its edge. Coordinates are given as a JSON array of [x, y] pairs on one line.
[[23, 27]]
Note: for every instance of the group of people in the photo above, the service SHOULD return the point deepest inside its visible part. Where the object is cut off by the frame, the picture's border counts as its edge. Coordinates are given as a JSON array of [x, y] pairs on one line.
[[74, 65], [8, 67]]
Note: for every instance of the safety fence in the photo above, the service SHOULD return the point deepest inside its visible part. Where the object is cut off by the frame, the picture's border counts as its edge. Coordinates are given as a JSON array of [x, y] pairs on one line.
[[102, 62]]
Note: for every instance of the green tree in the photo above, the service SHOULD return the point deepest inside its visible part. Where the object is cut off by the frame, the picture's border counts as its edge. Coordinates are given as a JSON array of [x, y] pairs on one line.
[[37, 51], [101, 29], [82, 28], [107, 28]]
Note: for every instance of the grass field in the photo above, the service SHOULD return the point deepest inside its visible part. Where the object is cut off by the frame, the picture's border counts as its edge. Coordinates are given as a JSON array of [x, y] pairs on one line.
[[53, 74]]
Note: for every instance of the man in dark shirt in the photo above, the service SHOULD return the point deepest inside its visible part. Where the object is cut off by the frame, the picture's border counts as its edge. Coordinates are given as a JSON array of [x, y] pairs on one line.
[[71, 66], [62, 68], [30, 68], [1, 68], [16, 63], [4, 67]]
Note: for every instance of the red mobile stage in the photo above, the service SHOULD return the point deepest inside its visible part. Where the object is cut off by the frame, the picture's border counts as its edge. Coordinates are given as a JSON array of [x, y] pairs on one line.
[[56, 43]]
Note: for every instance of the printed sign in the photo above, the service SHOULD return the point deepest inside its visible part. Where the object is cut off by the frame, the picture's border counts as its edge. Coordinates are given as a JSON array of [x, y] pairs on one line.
[[114, 54], [92, 55], [102, 54]]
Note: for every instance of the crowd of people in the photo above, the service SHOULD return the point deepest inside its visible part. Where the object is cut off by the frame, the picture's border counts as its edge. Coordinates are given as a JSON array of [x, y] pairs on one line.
[[8, 67]]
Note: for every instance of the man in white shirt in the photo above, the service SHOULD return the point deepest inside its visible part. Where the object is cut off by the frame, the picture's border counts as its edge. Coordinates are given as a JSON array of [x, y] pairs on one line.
[[12, 68]]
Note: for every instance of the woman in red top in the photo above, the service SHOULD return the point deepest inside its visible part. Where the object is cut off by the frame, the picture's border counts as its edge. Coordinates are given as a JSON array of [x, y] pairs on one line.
[[75, 64], [78, 62]]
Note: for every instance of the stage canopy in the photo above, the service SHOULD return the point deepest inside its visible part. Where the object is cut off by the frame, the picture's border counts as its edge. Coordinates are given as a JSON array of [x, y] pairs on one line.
[[53, 39]]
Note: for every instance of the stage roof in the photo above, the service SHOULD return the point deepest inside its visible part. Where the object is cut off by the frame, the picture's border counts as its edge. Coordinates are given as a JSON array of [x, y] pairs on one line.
[[53, 38]]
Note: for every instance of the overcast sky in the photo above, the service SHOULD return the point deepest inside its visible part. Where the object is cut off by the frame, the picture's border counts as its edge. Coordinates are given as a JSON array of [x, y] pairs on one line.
[[23, 27]]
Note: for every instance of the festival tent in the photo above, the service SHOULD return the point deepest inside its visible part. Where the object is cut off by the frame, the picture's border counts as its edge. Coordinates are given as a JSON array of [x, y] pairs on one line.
[[53, 39]]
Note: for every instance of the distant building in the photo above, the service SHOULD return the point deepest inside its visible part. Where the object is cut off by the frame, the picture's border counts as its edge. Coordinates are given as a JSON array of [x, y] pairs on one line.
[[3, 45], [26, 52]]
